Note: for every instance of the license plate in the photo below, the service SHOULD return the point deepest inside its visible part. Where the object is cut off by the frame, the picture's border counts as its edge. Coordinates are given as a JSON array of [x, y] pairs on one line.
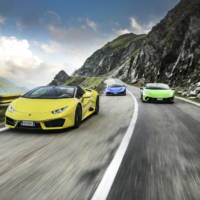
[[159, 99], [27, 123]]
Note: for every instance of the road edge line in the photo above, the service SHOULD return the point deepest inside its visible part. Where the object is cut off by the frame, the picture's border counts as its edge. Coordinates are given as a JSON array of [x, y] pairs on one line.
[[106, 182], [188, 101], [3, 129]]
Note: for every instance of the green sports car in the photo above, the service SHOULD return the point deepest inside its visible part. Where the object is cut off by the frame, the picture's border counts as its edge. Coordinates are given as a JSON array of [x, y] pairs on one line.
[[157, 92]]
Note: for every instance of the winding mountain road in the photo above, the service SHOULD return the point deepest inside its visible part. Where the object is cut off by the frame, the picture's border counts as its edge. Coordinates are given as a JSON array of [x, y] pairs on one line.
[[161, 162], [62, 165]]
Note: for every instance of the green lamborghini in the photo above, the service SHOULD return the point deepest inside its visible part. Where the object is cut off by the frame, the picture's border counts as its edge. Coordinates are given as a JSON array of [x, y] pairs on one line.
[[152, 92]]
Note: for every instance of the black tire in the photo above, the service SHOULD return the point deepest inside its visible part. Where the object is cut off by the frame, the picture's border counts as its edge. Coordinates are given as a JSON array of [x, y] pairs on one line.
[[142, 98], [97, 106], [171, 101], [78, 116], [124, 93]]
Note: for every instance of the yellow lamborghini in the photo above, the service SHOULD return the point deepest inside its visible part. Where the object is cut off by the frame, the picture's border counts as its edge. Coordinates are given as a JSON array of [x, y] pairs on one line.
[[52, 107]]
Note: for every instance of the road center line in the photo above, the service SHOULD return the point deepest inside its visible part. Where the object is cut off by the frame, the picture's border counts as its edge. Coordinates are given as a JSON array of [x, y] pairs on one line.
[[106, 183]]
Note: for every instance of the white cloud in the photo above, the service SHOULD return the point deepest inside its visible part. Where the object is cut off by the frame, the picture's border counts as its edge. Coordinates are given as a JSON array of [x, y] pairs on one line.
[[91, 24], [122, 31], [2, 20], [73, 45], [18, 63], [136, 27]]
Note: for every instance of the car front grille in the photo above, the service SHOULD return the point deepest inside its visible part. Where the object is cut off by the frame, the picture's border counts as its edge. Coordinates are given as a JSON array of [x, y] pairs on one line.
[[155, 99], [55, 123]]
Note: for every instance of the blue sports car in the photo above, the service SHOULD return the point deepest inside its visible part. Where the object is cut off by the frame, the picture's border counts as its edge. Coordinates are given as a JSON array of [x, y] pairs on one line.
[[116, 89]]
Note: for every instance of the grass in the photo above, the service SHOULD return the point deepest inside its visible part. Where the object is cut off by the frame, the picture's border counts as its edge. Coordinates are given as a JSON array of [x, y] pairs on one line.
[[124, 41], [96, 83]]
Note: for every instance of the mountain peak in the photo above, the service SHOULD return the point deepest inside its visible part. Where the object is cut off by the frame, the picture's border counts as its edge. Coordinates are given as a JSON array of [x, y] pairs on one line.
[[60, 78], [169, 53]]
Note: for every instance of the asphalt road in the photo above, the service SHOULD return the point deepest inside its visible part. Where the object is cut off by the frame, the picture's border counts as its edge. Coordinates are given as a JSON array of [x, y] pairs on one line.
[[62, 165], [162, 161]]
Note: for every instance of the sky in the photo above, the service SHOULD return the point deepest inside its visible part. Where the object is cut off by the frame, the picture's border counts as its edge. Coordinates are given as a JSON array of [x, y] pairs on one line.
[[38, 38]]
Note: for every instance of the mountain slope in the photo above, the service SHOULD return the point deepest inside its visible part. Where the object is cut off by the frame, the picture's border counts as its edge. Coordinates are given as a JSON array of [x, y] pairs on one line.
[[169, 53], [60, 78], [113, 57], [7, 87]]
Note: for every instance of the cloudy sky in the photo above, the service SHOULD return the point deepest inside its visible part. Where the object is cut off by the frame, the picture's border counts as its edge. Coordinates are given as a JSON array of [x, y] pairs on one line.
[[40, 37]]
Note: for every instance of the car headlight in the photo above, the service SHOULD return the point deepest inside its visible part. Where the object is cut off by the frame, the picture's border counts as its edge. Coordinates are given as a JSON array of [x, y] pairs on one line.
[[11, 109], [60, 110]]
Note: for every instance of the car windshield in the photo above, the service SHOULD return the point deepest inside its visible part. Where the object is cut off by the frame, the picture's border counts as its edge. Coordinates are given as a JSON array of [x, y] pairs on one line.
[[115, 86], [157, 86], [50, 92]]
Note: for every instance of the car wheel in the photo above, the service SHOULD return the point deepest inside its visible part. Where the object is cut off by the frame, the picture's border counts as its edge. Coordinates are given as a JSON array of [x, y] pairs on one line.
[[78, 117], [171, 100], [141, 97], [97, 106], [124, 93]]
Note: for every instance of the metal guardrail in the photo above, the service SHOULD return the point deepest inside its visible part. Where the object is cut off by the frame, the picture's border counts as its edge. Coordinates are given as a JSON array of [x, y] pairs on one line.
[[6, 99]]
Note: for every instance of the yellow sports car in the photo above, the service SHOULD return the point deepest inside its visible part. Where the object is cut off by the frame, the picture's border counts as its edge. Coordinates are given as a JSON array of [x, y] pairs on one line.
[[52, 107]]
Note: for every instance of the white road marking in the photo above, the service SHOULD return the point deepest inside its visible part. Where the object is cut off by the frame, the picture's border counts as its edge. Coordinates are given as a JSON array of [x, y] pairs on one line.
[[105, 185], [3, 129], [188, 101]]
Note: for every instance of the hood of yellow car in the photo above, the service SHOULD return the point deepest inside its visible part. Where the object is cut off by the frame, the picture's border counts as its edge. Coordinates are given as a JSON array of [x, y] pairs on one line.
[[40, 105]]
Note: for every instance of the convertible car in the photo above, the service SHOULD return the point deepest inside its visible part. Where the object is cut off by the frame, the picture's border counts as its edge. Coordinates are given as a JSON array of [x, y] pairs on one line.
[[115, 89], [157, 92], [52, 107]]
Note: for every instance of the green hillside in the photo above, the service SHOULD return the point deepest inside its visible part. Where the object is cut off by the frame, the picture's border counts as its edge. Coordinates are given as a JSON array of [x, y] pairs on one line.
[[7, 87], [96, 83]]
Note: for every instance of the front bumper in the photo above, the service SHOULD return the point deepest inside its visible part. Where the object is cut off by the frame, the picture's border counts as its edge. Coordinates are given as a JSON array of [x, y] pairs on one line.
[[53, 124], [115, 93], [159, 99], [43, 121]]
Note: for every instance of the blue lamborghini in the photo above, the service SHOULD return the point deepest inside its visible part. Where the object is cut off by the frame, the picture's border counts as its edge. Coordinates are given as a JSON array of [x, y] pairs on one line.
[[116, 89]]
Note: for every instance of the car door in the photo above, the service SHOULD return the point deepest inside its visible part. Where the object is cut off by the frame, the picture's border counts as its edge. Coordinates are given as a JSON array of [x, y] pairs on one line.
[[85, 100]]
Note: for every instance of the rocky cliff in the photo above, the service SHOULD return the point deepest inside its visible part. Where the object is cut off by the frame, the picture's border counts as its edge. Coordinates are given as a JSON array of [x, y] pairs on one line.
[[169, 53], [114, 59]]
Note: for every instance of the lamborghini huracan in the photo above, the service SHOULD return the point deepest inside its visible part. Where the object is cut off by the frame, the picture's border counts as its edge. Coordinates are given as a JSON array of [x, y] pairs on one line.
[[52, 107], [157, 92], [115, 89]]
